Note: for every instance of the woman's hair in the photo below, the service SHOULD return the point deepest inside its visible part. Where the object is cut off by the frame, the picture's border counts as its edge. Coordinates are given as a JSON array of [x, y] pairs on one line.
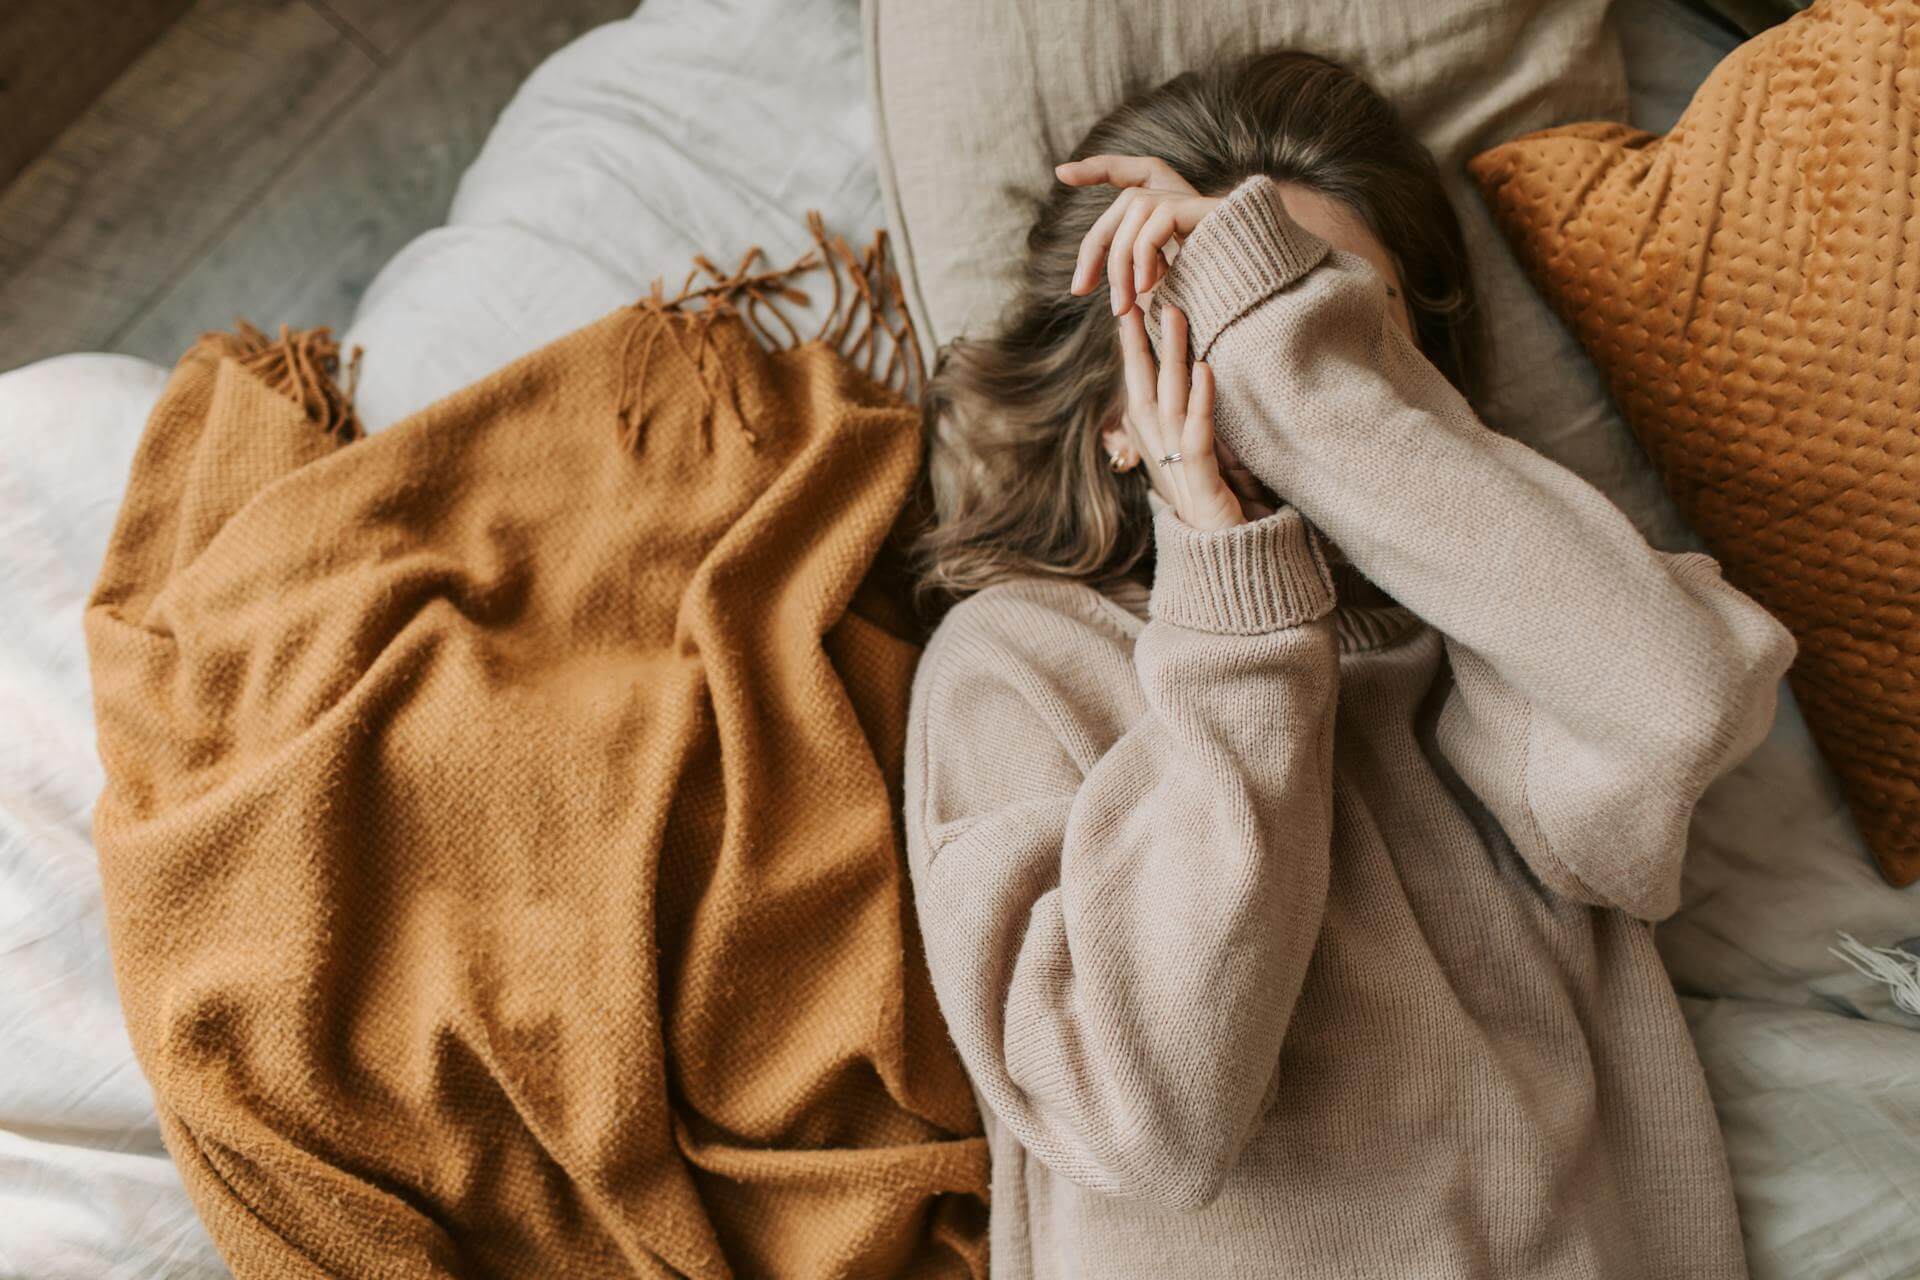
[[1017, 477]]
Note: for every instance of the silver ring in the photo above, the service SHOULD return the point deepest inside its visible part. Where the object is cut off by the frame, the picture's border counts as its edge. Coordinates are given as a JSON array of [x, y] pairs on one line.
[[1166, 458]]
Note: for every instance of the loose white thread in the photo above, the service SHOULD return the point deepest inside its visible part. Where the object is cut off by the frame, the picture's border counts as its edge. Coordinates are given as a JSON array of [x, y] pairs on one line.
[[1900, 970]]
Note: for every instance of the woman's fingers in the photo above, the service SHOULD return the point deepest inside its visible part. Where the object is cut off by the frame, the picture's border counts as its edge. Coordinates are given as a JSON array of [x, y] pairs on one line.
[[1197, 431], [1093, 246], [1132, 235], [1135, 174], [1134, 261], [1120, 256], [1255, 498], [1172, 390], [1217, 504], [1147, 246], [1121, 171], [1136, 357], [1170, 408], [1173, 400]]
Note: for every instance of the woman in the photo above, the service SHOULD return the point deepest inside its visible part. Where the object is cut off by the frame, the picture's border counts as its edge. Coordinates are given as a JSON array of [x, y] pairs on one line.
[[1287, 814]]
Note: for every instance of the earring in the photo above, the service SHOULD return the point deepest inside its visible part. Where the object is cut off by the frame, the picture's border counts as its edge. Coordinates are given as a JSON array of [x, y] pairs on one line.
[[1117, 460]]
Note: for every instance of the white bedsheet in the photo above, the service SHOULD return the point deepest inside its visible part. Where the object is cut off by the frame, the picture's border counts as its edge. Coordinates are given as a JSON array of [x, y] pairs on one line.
[[706, 126], [86, 1189], [697, 126]]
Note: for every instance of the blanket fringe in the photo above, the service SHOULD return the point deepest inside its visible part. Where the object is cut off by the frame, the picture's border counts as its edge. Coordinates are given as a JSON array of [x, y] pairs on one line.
[[868, 302], [1898, 969], [301, 364]]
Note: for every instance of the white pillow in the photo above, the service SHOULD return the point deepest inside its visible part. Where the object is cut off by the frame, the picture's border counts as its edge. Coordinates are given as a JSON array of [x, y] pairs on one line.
[[695, 126]]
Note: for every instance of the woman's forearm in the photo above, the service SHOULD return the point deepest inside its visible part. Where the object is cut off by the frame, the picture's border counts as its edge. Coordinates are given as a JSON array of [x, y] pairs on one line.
[[1602, 667], [1117, 953]]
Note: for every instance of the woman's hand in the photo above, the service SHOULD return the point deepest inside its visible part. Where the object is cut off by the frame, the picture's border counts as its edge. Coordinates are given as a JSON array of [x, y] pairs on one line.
[[1156, 206], [1169, 411]]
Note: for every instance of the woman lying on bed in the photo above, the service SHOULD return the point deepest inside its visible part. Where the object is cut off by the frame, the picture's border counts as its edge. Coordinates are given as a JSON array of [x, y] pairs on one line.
[[1287, 811]]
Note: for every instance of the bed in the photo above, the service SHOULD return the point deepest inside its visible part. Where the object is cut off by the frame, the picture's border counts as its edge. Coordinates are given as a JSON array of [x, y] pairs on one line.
[[709, 126]]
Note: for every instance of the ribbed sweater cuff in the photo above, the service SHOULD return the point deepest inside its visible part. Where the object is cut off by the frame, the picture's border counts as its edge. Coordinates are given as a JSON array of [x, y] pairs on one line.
[[1263, 575], [1248, 248]]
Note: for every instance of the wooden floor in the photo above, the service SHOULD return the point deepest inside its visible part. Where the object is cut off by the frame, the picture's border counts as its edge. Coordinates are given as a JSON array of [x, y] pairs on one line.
[[262, 158]]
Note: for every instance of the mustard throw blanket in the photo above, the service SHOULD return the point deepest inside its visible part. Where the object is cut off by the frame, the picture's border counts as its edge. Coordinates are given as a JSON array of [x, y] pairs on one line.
[[500, 835]]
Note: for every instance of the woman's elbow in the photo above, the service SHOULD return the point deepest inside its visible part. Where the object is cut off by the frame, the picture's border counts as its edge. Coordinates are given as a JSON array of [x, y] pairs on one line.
[[1195, 1190], [1746, 699], [1180, 1176], [1182, 1157], [1737, 658], [1743, 707], [1770, 647], [1167, 1161]]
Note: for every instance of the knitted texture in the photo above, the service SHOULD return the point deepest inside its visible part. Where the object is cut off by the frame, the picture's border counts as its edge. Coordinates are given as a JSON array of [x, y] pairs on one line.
[[1748, 283], [1312, 940], [500, 841], [1234, 572]]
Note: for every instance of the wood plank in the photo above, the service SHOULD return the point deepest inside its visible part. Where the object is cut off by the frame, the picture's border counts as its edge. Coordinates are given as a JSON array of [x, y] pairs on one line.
[[176, 150], [386, 26], [57, 56], [385, 172]]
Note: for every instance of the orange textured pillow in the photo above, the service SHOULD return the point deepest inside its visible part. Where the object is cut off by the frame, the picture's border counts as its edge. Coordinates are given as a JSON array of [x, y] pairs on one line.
[[1750, 284]]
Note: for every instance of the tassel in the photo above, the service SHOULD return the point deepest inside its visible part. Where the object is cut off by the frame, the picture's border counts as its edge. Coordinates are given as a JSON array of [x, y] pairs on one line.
[[1899, 970], [302, 365], [866, 293]]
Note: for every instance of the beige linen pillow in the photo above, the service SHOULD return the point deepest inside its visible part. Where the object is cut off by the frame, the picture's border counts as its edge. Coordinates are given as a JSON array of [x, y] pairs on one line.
[[976, 102]]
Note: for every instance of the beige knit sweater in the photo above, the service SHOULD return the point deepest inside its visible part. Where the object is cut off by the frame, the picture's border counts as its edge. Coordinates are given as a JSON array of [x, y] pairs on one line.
[[1292, 919]]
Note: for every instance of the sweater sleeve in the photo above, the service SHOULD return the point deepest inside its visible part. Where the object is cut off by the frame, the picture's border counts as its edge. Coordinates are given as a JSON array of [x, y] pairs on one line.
[[1117, 933], [1600, 685]]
